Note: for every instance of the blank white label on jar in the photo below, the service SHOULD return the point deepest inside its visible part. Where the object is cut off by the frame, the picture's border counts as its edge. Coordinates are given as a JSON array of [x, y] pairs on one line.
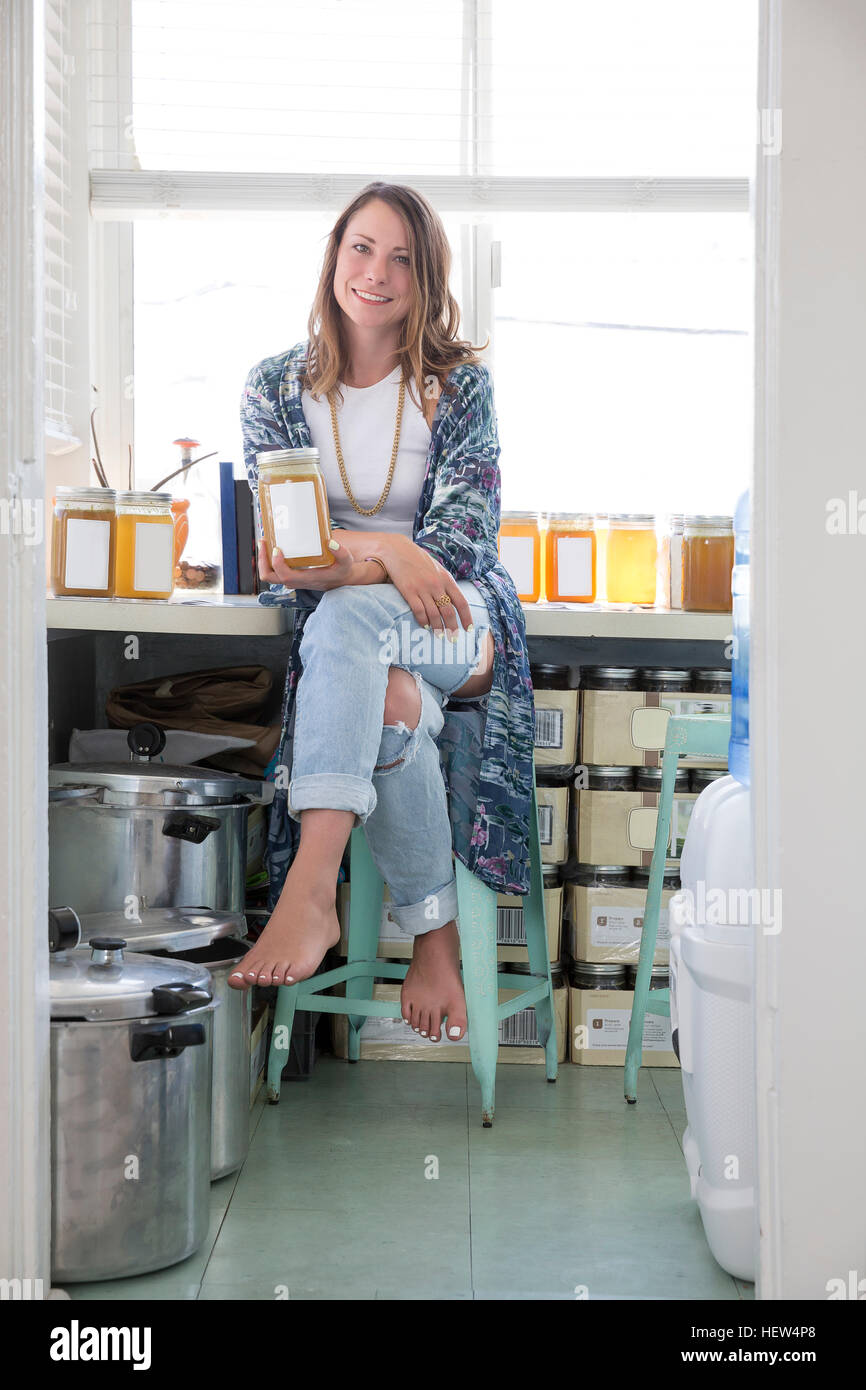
[[88, 545], [296, 518], [517, 554], [154, 557], [574, 565]]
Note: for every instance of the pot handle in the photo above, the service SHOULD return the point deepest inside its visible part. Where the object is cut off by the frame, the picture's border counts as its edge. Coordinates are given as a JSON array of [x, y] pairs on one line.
[[195, 829], [147, 1044], [176, 999]]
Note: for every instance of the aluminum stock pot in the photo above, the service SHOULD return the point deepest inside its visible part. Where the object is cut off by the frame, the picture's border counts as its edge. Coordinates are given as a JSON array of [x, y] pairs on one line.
[[131, 1057], [211, 940], [145, 834]]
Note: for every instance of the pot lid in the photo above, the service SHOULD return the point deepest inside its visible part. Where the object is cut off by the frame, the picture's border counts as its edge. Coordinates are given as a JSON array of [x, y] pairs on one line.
[[100, 982], [156, 778], [143, 776], [165, 928]]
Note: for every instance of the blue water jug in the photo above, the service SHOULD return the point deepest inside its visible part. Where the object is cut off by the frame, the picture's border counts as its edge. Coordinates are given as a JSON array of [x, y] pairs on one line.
[[738, 748]]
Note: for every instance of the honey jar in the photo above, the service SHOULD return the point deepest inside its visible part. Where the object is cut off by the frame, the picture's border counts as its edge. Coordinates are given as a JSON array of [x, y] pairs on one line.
[[293, 504], [708, 563], [570, 558], [144, 546], [632, 555], [82, 542], [520, 553]]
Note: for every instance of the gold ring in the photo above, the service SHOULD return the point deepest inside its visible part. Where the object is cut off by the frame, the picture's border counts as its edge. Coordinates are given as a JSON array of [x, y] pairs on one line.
[[442, 602]]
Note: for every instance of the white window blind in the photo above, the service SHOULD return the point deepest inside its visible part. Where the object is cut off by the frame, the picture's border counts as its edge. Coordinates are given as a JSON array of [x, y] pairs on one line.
[[60, 292]]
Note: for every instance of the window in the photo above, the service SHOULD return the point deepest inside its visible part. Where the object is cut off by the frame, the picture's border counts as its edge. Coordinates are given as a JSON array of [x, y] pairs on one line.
[[604, 150]]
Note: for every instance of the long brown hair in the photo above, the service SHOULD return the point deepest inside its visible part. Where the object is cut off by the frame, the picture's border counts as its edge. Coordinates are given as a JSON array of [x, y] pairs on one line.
[[428, 346]]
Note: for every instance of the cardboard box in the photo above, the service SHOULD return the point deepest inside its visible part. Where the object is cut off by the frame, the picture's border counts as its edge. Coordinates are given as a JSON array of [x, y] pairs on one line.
[[599, 1020], [620, 827], [395, 944], [553, 823], [389, 1040], [259, 1036], [626, 728], [605, 923], [556, 718]]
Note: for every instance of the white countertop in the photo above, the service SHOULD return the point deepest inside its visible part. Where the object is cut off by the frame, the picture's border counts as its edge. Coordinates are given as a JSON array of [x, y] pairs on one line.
[[237, 615]]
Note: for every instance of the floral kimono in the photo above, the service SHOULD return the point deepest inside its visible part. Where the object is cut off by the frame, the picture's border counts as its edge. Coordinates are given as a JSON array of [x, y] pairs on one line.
[[486, 745]]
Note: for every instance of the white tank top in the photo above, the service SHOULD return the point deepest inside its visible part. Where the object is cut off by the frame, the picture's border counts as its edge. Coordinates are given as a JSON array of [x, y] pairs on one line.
[[366, 420]]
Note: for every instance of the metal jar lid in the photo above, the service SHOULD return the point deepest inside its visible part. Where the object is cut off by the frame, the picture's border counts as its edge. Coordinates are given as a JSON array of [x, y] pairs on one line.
[[608, 677], [548, 675], [518, 516], [588, 974], [85, 494], [670, 878], [701, 777], [610, 778], [522, 967], [270, 458], [600, 875], [141, 499], [99, 982], [711, 678], [673, 678], [697, 519], [659, 976], [165, 928], [649, 779], [636, 518]]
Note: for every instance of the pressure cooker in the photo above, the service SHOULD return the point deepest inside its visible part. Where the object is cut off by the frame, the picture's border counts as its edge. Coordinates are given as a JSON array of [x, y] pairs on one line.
[[146, 834], [131, 1058], [211, 940]]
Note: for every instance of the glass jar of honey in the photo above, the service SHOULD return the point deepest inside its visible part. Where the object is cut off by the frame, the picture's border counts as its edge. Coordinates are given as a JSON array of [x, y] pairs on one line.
[[520, 553], [144, 546], [293, 504], [632, 555], [82, 542], [570, 558], [708, 563]]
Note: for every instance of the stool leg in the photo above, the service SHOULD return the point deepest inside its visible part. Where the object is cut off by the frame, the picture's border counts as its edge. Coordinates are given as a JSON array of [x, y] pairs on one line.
[[365, 919], [538, 948], [477, 927], [281, 1037]]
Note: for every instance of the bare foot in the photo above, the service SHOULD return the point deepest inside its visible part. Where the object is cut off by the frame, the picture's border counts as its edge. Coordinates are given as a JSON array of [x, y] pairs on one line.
[[303, 925], [432, 989]]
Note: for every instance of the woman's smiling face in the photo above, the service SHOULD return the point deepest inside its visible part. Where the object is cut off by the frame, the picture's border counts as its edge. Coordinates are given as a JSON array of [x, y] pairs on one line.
[[372, 280]]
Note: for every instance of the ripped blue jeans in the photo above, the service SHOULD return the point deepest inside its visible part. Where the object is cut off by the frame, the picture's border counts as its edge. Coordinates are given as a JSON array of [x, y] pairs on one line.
[[346, 758]]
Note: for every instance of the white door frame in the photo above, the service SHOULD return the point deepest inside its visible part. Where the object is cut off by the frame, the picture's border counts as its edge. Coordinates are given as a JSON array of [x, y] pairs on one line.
[[25, 1188], [808, 650]]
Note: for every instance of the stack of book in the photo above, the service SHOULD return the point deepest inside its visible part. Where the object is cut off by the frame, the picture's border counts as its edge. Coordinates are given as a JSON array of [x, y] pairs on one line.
[[240, 569]]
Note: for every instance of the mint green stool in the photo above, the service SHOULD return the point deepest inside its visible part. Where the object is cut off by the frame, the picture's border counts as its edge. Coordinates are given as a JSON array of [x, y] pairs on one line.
[[482, 979], [701, 735]]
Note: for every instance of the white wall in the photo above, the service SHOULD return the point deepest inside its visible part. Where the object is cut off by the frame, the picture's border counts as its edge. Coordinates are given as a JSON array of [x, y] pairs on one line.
[[809, 652]]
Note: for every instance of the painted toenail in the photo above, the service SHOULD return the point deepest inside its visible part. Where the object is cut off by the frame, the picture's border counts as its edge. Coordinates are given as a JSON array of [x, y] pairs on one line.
[[416, 1030], [454, 1032], [423, 1034]]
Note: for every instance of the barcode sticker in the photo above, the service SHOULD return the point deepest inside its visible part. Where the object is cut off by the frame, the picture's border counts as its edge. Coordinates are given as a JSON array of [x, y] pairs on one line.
[[520, 1030], [545, 824], [548, 728], [510, 926]]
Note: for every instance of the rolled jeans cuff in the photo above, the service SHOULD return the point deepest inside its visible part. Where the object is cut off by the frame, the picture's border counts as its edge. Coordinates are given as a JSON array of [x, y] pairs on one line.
[[434, 911], [331, 791]]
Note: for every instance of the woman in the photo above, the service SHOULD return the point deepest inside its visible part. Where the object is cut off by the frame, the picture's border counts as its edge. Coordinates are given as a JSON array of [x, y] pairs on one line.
[[384, 378]]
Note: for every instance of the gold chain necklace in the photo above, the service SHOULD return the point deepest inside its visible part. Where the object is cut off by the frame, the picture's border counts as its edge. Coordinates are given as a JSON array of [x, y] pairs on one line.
[[369, 511]]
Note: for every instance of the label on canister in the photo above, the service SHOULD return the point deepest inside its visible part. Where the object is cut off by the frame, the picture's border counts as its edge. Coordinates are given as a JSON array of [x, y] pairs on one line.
[[296, 518], [88, 545]]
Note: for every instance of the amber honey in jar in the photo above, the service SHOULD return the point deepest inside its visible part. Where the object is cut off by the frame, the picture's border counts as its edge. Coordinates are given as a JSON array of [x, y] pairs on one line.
[[708, 563], [293, 504], [144, 546], [520, 553], [632, 554], [82, 542], [570, 558]]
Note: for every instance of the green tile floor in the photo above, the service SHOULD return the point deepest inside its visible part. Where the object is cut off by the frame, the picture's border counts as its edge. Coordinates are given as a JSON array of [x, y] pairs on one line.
[[571, 1194]]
